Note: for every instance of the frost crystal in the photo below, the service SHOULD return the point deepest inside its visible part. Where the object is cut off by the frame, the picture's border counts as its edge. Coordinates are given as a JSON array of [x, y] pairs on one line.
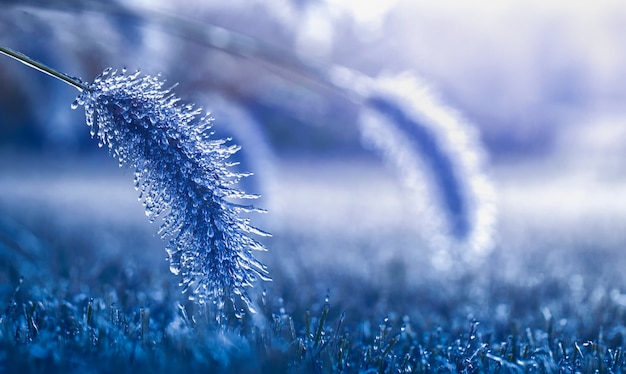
[[183, 177]]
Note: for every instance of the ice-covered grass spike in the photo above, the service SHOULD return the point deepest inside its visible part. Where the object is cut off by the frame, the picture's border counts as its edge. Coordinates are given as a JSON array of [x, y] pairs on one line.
[[184, 179], [438, 156]]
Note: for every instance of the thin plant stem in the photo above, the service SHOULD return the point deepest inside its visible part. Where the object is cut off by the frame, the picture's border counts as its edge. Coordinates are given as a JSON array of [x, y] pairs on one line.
[[74, 82]]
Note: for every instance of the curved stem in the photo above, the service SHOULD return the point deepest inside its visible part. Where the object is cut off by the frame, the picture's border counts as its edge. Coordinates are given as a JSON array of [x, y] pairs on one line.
[[74, 82]]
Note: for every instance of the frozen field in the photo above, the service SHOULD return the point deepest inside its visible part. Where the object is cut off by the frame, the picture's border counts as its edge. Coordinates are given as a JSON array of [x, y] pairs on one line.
[[445, 186]]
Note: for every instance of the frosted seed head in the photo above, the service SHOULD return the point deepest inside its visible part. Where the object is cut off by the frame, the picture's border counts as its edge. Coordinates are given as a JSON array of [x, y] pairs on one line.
[[183, 178]]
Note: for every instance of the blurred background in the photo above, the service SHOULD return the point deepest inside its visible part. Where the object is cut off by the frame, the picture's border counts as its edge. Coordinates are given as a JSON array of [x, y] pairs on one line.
[[541, 84]]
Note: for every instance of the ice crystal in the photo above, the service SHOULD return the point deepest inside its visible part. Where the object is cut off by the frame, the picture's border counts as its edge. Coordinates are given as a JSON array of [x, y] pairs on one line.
[[184, 180]]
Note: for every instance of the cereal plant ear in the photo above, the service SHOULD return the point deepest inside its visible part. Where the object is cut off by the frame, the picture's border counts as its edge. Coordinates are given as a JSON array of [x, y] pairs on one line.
[[184, 180]]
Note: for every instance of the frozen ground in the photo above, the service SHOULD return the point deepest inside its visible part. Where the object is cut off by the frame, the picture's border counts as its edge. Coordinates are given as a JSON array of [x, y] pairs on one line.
[[342, 228]]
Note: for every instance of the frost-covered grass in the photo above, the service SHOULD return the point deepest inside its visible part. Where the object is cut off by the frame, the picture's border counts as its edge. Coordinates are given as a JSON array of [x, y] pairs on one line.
[[132, 322], [97, 296]]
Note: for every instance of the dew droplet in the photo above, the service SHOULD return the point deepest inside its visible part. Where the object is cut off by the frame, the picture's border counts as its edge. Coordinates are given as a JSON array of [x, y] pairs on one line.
[[174, 269]]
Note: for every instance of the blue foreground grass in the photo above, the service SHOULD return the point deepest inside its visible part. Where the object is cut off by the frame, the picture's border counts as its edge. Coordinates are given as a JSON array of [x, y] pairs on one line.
[[71, 302], [44, 331], [112, 319]]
